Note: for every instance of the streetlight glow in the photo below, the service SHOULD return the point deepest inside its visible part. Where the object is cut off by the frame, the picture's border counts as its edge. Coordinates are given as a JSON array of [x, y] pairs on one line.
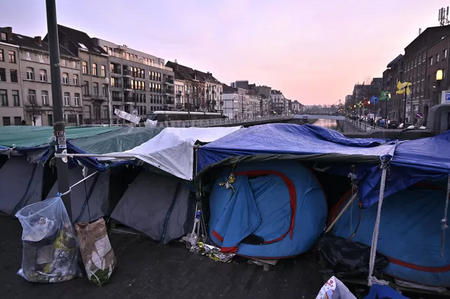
[[439, 75]]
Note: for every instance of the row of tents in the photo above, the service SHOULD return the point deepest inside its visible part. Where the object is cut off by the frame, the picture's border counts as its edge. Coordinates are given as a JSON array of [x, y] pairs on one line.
[[267, 191]]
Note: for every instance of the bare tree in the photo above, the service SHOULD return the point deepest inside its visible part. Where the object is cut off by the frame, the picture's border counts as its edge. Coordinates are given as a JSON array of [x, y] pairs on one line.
[[31, 107], [367, 80]]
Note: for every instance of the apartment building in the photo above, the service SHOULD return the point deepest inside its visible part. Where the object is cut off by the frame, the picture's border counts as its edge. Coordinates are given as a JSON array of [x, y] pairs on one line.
[[31, 94], [94, 80], [140, 82], [11, 98]]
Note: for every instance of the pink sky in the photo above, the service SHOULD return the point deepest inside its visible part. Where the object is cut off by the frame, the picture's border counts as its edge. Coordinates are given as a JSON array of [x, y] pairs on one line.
[[312, 51]]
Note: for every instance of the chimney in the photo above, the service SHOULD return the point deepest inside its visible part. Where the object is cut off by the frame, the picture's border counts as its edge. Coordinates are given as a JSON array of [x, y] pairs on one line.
[[176, 61], [38, 40], [8, 33]]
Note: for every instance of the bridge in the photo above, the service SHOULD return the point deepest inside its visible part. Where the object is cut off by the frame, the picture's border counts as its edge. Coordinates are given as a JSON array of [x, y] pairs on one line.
[[247, 122]]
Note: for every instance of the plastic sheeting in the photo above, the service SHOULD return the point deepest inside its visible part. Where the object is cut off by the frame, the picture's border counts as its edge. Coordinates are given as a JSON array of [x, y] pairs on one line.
[[173, 149], [20, 184], [289, 139], [91, 202], [156, 205], [32, 137], [116, 141]]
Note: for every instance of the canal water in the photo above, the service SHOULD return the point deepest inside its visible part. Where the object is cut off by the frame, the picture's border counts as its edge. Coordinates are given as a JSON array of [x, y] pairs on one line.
[[327, 123]]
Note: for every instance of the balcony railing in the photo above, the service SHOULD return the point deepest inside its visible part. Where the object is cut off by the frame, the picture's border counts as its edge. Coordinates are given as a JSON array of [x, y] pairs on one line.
[[126, 73]]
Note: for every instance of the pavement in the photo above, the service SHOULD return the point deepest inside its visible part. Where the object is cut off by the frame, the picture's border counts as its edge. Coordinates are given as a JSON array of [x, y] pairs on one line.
[[146, 269]]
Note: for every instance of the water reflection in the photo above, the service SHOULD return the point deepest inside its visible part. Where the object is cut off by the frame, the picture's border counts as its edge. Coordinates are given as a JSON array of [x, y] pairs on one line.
[[327, 123]]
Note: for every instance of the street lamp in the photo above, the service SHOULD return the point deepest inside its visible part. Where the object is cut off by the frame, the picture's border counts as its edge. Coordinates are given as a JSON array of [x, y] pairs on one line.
[[439, 77]]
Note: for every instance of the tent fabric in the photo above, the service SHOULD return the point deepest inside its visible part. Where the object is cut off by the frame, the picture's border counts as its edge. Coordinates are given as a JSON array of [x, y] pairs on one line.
[[20, 184], [172, 150], [272, 140], [425, 153], [116, 140], [277, 210], [32, 137], [410, 234], [97, 204], [156, 205]]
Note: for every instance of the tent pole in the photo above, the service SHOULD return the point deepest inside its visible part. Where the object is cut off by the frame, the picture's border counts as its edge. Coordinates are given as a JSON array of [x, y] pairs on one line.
[[444, 224], [373, 248], [341, 213]]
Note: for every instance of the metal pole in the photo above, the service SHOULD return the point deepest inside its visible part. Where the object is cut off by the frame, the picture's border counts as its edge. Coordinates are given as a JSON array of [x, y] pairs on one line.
[[58, 113]]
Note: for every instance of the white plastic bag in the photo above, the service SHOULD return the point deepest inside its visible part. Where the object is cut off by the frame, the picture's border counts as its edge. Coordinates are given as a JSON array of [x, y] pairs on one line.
[[50, 247], [334, 289]]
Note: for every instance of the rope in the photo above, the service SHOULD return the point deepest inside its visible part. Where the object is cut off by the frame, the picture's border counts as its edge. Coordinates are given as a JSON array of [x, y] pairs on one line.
[[77, 183], [444, 225], [373, 248]]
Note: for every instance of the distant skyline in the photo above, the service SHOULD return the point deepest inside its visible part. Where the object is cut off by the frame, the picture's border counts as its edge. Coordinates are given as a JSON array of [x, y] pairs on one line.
[[314, 52]]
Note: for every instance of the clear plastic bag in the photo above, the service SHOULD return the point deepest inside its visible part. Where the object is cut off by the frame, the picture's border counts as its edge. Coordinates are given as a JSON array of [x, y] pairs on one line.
[[50, 247]]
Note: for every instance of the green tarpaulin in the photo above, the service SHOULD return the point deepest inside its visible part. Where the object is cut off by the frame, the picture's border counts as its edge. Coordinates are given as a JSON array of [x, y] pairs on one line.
[[28, 136], [117, 141]]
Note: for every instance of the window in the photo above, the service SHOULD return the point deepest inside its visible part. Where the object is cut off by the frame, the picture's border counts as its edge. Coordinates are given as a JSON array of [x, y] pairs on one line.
[[110, 51], [105, 89], [12, 57], [2, 57], [2, 74], [16, 99], [87, 112], [3, 97], [84, 70], [27, 55], [94, 69], [17, 120], [105, 112], [128, 56], [105, 48], [44, 97], [3, 36], [32, 96], [443, 73], [41, 58], [43, 75], [77, 100], [75, 80], [445, 53], [14, 76], [30, 73], [437, 57], [431, 60], [73, 64], [63, 62], [65, 78], [96, 112], [6, 120], [95, 89], [86, 88], [103, 71], [66, 99]]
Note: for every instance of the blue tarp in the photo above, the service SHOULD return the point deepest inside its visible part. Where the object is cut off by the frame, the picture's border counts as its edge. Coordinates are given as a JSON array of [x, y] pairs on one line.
[[281, 139], [412, 161]]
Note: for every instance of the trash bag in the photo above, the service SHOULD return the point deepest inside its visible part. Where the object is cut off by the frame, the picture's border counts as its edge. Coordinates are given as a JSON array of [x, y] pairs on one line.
[[346, 259], [334, 289], [98, 256], [50, 247]]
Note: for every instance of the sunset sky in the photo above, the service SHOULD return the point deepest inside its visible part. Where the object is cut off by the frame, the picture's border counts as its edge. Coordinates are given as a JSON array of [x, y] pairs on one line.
[[313, 52]]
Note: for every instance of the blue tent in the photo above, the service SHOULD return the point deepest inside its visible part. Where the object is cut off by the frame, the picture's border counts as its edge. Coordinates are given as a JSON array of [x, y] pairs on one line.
[[271, 210], [410, 234]]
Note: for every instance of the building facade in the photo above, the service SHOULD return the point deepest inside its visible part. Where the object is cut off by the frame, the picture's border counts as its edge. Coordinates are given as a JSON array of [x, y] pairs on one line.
[[391, 76], [202, 92], [11, 96], [278, 102], [140, 82], [231, 103], [32, 92], [94, 80]]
